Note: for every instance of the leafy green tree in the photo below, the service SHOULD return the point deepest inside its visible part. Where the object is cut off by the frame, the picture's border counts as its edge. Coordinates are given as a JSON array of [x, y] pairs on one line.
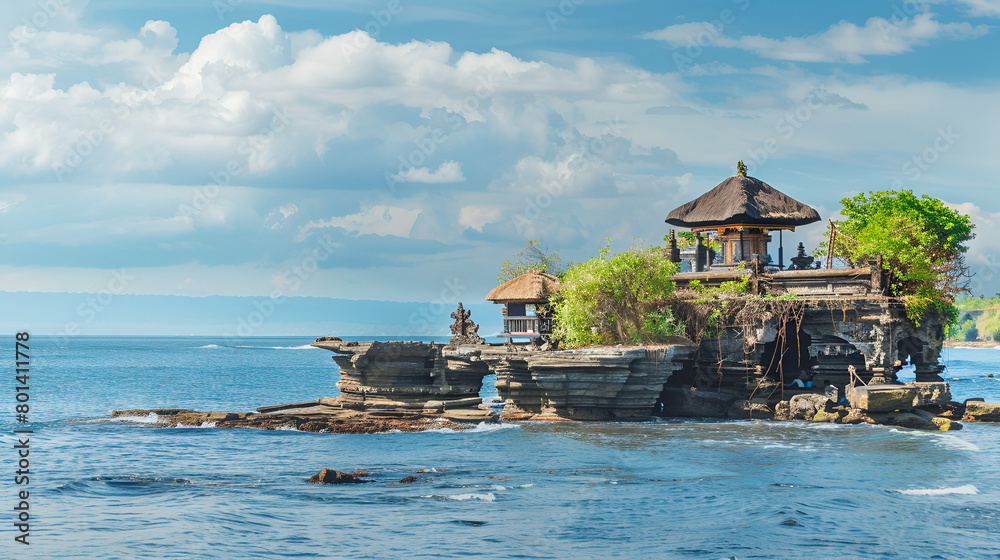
[[618, 298], [921, 241], [535, 256]]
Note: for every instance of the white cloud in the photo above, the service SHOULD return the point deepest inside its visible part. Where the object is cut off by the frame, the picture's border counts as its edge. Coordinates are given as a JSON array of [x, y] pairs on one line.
[[978, 7], [447, 172], [378, 220], [476, 217], [10, 201], [842, 42]]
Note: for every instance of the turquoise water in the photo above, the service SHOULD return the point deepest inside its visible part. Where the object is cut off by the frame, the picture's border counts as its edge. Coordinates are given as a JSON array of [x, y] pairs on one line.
[[669, 489]]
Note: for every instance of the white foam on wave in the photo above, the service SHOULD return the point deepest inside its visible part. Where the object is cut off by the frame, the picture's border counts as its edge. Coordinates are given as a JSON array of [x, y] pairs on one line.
[[303, 347], [480, 428], [150, 418], [209, 346], [958, 443], [487, 497], [967, 489]]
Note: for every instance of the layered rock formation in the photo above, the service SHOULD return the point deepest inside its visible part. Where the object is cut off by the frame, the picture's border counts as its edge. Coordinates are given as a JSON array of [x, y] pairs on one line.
[[607, 383], [406, 378]]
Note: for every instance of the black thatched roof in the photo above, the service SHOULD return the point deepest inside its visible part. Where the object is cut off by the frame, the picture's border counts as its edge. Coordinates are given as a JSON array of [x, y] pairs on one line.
[[743, 200]]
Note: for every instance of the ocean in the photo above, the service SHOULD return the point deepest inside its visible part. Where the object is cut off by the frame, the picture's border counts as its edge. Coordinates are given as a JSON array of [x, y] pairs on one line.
[[663, 489]]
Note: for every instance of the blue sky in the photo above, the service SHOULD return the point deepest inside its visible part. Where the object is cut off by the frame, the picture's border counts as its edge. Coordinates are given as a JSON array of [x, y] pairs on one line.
[[401, 150]]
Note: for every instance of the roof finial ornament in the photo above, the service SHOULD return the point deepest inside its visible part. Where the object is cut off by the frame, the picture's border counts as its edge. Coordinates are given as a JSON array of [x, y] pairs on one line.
[[741, 169]]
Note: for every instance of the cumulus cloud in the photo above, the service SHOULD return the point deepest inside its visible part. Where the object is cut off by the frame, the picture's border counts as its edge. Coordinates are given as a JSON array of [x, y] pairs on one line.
[[476, 217], [842, 42], [379, 220], [978, 7], [447, 172]]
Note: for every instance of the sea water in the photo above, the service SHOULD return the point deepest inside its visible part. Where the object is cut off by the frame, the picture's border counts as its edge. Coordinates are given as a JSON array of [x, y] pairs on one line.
[[664, 489]]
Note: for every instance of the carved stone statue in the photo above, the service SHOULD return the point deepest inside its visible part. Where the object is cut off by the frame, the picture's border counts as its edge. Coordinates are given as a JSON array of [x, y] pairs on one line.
[[802, 261], [464, 331]]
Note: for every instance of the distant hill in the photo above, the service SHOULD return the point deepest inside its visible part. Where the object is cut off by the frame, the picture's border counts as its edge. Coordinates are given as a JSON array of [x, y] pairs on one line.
[[978, 319]]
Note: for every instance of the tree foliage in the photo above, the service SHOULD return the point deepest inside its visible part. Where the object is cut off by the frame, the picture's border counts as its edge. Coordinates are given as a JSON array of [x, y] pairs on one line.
[[535, 256], [921, 241], [618, 298]]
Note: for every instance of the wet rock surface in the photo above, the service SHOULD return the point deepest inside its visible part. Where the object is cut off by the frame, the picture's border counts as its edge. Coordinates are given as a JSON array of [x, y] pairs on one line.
[[332, 422], [330, 476]]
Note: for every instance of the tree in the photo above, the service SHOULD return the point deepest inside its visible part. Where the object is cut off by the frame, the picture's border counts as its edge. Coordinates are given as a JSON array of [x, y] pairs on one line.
[[921, 241], [535, 256], [616, 299]]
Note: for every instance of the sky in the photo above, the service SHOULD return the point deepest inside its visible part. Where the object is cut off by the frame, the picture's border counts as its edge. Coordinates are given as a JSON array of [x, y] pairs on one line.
[[400, 151]]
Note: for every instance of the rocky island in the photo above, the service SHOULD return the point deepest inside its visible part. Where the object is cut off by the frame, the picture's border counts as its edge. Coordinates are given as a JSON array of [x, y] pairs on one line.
[[708, 327]]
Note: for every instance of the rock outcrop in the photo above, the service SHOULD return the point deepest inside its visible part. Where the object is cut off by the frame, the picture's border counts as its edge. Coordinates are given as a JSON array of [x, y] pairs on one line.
[[330, 476], [405, 378], [606, 383], [978, 411]]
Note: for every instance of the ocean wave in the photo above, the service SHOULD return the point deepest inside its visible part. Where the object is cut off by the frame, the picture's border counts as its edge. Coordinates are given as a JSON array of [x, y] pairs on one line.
[[151, 418], [487, 497], [303, 347], [967, 489], [480, 428], [958, 443], [210, 346]]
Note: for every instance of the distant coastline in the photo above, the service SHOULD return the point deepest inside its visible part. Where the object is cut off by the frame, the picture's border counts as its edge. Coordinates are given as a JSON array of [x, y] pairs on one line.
[[971, 344]]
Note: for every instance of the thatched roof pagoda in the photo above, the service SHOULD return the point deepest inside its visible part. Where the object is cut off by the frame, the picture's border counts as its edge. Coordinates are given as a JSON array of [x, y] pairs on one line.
[[530, 287], [743, 201], [533, 288], [740, 211]]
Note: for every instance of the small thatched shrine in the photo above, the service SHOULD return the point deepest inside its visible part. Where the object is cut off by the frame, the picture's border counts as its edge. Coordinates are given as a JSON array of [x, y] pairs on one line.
[[740, 212], [527, 293]]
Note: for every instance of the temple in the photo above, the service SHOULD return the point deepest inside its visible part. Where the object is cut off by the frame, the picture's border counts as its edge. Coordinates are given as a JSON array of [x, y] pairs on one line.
[[803, 342], [739, 213]]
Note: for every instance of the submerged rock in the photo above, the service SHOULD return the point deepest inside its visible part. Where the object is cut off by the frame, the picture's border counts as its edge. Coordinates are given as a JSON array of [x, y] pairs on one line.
[[330, 476], [407, 480]]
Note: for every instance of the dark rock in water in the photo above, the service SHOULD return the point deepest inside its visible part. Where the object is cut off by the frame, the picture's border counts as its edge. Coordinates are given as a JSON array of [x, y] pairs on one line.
[[330, 476], [470, 523], [697, 404], [407, 480]]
